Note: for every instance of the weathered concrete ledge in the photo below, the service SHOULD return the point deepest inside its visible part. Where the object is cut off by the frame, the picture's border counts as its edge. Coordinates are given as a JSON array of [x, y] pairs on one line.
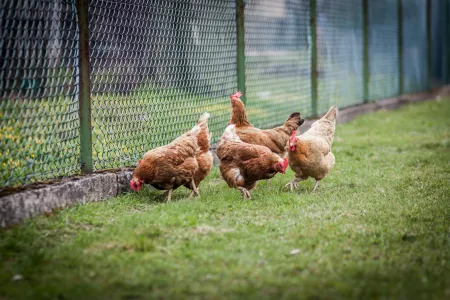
[[15, 208]]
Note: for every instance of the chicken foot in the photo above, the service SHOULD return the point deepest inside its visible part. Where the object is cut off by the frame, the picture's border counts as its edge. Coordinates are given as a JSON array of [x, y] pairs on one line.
[[244, 192], [293, 184], [168, 194]]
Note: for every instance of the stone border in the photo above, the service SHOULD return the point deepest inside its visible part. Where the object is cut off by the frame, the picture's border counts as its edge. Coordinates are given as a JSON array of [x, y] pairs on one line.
[[15, 208]]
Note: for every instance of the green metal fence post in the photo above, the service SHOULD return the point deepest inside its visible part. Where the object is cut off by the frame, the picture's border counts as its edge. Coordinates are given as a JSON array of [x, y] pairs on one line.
[[240, 49], [447, 40], [85, 88], [400, 45], [365, 50], [313, 26], [429, 46]]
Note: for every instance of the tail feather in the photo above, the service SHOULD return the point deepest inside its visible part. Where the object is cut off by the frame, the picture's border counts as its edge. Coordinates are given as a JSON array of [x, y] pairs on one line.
[[204, 138], [204, 118], [195, 130], [294, 115], [325, 126], [331, 114], [294, 121]]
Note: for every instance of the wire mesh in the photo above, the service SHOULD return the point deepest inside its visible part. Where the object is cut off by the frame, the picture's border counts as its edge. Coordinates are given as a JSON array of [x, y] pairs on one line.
[[415, 46], [439, 42], [339, 53], [383, 49], [39, 91], [155, 67], [277, 57]]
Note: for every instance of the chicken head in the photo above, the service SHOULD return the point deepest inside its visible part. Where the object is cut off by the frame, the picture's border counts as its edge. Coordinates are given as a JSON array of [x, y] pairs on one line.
[[282, 165], [136, 184]]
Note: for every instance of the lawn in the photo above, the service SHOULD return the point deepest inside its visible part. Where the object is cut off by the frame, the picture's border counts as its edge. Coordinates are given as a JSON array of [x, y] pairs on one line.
[[378, 227]]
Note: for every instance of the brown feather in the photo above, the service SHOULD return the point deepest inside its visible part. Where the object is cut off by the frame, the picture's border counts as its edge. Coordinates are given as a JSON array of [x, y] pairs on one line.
[[275, 139], [243, 164], [204, 157]]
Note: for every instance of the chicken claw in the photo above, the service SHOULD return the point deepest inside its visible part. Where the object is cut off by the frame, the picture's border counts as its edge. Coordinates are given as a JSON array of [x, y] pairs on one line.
[[245, 192], [192, 194], [293, 184]]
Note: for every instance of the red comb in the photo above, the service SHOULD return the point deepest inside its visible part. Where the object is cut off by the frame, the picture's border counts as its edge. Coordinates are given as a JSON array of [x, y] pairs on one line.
[[285, 163], [139, 162], [236, 95], [293, 134]]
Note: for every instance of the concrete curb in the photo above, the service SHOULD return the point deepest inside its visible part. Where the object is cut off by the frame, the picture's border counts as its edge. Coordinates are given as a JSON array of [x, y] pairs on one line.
[[15, 208]]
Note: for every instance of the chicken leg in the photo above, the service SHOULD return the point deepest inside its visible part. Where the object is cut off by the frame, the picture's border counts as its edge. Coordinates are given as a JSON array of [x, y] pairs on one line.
[[316, 185], [194, 189], [293, 184], [168, 194], [245, 192]]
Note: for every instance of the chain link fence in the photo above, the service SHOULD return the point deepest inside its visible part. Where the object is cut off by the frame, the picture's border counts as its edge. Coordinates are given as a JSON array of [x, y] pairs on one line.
[[39, 135], [383, 27], [277, 60], [440, 42], [339, 53], [156, 66], [415, 46]]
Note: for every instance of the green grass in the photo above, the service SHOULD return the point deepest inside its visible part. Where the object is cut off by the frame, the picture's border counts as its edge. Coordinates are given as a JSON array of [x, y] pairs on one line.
[[378, 227]]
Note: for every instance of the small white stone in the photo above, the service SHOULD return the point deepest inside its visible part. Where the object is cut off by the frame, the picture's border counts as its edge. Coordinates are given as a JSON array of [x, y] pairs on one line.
[[295, 251], [17, 277]]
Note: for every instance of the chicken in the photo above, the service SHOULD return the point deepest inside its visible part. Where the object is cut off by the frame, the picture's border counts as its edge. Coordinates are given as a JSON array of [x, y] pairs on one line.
[[243, 164], [310, 153], [204, 157], [275, 139], [170, 166]]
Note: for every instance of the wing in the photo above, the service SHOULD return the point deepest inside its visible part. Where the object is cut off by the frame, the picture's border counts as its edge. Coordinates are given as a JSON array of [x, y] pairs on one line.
[[314, 143], [256, 136], [237, 151]]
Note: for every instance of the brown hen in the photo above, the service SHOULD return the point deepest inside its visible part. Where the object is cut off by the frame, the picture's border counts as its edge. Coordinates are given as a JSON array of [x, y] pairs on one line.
[[310, 153], [275, 139], [243, 164], [170, 166]]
